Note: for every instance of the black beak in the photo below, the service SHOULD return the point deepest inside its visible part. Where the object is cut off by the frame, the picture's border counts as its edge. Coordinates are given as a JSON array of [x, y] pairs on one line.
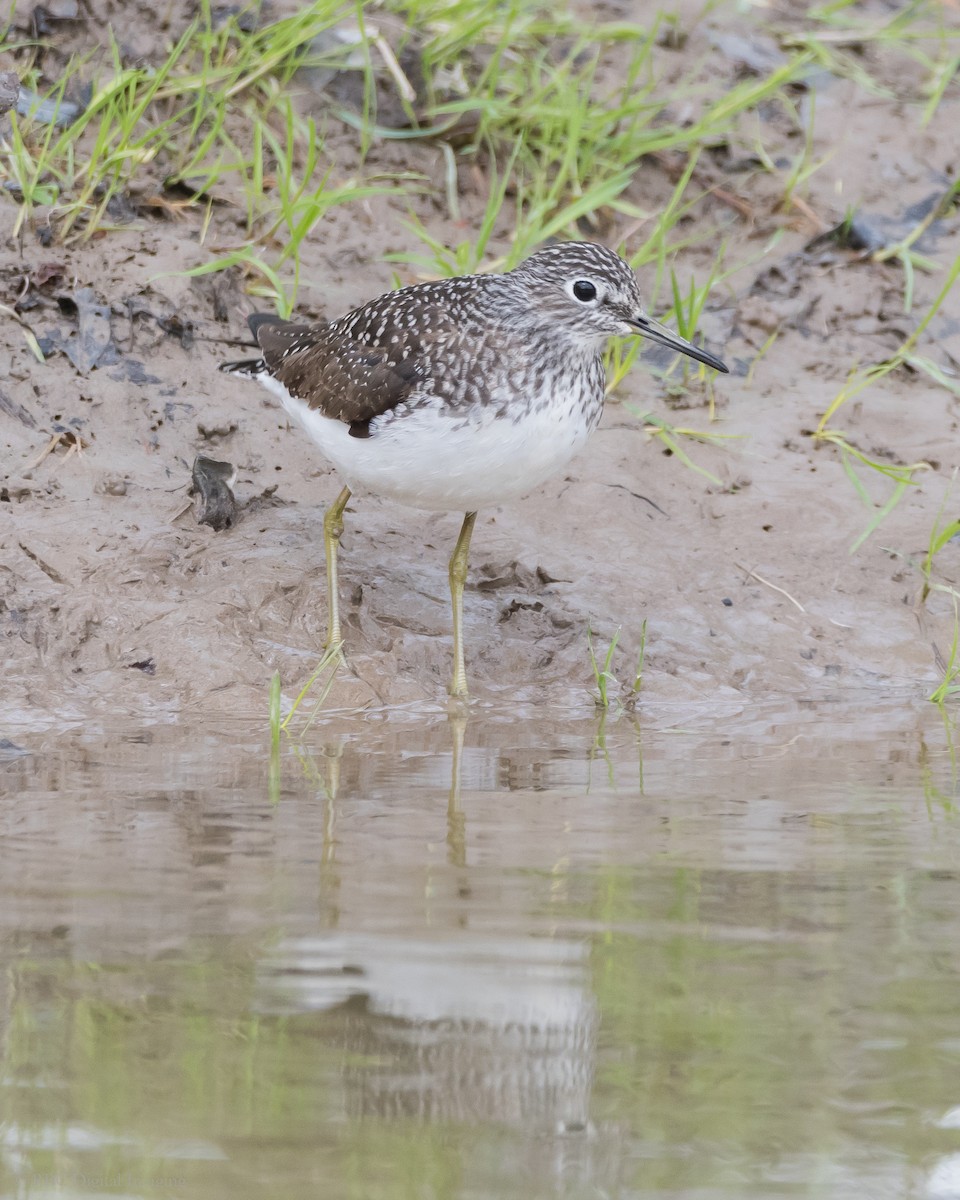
[[663, 336]]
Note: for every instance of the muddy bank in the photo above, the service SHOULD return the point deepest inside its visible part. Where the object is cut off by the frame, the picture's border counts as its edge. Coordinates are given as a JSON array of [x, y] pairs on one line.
[[113, 598]]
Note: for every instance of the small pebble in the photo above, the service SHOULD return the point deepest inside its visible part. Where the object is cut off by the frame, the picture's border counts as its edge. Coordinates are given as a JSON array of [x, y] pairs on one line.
[[112, 485]]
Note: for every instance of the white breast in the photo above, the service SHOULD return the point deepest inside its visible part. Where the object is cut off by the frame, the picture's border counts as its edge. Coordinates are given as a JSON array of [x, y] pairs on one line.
[[420, 455]]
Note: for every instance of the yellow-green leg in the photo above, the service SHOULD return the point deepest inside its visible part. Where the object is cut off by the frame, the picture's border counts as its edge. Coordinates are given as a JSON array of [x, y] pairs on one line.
[[458, 577], [332, 532]]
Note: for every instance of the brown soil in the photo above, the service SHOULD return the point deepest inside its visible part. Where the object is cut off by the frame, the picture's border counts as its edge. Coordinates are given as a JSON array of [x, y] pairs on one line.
[[114, 600]]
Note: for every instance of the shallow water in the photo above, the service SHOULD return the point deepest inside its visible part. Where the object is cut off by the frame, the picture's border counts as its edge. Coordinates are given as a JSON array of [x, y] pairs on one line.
[[564, 960]]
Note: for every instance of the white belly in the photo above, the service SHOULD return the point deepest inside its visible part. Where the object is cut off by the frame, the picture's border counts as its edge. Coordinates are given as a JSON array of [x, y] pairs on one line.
[[427, 460]]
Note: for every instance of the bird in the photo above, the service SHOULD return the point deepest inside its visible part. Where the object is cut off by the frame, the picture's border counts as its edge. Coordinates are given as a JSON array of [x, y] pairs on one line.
[[458, 393]]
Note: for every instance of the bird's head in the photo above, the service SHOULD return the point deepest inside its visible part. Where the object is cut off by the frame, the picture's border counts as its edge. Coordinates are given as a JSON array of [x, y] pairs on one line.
[[587, 293]]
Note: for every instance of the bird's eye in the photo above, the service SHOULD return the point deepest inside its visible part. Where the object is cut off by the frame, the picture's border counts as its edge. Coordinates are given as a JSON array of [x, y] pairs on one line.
[[584, 290]]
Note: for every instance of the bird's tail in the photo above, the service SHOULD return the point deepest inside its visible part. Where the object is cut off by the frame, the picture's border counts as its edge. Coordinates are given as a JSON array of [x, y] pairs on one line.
[[252, 367], [249, 367]]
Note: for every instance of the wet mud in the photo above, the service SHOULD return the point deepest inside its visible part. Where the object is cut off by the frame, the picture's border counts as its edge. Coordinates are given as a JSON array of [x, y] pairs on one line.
[[114, 599]]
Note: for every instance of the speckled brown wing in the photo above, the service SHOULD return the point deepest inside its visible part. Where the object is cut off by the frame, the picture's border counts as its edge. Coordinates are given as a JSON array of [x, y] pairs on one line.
[[356, 368]]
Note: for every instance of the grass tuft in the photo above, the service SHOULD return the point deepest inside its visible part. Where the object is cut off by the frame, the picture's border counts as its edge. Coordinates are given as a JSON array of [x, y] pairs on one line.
[[603, 677], [854, 460]]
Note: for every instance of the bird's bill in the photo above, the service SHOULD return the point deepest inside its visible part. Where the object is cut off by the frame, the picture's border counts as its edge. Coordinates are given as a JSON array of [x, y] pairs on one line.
[[649, 328]]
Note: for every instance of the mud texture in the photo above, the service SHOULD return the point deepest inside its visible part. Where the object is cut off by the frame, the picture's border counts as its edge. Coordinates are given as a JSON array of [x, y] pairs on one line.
[[114, 599]]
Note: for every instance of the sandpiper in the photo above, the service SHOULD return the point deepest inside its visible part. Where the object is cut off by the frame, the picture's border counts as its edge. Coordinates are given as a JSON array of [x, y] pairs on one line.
[[460, 393]]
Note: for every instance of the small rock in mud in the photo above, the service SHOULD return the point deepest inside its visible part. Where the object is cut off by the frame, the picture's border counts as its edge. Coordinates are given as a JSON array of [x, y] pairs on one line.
[[91, 345], [9, 91], [177, 327], [44, 15], [245, 16], [757, 55], [857, 233], [9, 749], [213, 481], [112, 485], [209, 432], [13, 409], [61, 111]]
